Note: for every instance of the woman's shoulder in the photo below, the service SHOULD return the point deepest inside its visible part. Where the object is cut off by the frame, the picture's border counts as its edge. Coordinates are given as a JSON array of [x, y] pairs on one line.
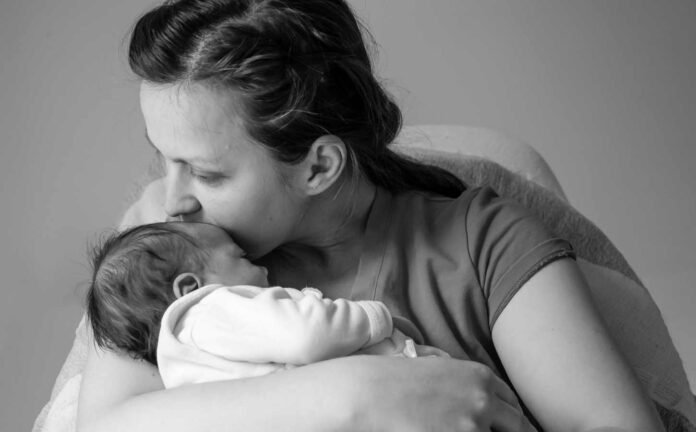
[[475, 217], [415, 217], [431, 205]]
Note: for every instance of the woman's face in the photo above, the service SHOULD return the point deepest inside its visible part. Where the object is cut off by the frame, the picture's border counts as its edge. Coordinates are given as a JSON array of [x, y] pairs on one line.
[[215, 173]]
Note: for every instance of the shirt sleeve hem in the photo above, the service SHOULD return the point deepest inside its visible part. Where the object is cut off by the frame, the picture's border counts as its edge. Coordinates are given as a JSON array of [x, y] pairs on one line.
[[525, 268]]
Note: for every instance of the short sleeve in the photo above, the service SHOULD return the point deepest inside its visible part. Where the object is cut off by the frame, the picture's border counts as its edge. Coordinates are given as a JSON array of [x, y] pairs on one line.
[[507, 245]]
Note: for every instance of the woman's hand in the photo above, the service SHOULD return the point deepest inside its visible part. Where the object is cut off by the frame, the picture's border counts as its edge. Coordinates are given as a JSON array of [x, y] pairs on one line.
[[427, 394]]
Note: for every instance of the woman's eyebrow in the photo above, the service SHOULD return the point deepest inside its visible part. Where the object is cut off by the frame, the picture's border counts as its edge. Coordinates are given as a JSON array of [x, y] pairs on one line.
[[194, 161]]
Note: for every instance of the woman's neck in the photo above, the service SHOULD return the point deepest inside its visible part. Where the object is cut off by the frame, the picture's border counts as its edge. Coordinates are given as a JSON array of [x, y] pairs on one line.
[[326, 253]]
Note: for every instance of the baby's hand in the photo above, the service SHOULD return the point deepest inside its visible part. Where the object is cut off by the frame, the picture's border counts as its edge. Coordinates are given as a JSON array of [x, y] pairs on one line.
[[312, 291]]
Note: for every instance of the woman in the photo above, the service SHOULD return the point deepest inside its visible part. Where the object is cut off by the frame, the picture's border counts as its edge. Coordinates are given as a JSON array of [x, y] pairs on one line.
[[271, 125]]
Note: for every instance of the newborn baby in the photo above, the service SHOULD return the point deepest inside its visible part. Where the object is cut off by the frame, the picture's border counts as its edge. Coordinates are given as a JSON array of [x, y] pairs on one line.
[[184, 297]]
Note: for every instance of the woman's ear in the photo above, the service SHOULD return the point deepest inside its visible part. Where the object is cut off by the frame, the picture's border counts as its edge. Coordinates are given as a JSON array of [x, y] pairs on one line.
[[185, 283], [324, 164]]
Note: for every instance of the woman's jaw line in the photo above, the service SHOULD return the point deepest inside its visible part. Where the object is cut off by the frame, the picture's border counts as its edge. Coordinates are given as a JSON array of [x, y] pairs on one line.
[[335, 219]]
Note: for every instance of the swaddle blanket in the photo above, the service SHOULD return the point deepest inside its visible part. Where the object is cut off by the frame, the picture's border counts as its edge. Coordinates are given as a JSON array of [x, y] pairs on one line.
[[630, 313]]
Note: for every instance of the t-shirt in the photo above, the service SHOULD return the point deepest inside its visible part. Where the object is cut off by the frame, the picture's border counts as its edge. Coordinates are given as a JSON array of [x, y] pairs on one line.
[[451, 265]]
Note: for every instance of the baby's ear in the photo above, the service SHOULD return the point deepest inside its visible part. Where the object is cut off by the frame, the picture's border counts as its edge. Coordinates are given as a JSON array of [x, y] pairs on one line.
[[185, 283]]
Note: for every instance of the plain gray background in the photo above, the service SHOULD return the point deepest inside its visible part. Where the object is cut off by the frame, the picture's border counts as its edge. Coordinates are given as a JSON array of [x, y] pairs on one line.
[[603, 89]]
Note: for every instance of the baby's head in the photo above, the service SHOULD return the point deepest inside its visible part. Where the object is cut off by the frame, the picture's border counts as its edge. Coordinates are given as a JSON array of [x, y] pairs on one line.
[[138, 273]]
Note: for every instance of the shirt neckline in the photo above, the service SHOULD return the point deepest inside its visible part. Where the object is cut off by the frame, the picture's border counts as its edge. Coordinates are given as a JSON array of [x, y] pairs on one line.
[[372, 256]]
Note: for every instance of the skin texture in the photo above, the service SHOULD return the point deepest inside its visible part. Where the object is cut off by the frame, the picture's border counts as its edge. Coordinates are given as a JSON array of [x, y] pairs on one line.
[[305, 221]]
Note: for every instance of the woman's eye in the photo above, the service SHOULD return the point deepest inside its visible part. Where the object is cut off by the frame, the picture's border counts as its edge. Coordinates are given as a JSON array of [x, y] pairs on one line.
[[209, 179]]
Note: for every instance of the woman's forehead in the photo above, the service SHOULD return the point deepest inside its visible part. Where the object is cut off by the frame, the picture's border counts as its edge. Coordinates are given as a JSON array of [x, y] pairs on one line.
[[191, 121], [191, 98]]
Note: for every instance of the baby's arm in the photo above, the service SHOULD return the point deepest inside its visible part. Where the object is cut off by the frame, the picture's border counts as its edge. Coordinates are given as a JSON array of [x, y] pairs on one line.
[[284, 325], [562, 361]]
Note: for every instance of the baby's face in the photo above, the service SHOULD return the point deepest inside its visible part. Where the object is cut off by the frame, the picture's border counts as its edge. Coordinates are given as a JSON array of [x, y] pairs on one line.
[[227, 264]]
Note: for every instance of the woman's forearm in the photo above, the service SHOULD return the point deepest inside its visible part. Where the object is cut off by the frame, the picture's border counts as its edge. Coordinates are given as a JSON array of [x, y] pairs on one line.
[[288, 401], [347, 394]]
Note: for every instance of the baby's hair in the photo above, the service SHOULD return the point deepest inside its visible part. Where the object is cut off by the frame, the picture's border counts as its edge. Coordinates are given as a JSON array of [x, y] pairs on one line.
[[132, 276]]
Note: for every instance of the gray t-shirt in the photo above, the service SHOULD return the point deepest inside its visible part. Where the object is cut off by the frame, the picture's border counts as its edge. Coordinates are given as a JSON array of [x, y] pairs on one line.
[[451, 265]]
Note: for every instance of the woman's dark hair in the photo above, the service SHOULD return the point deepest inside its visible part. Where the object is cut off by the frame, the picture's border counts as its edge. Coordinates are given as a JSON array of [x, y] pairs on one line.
[[131, 286], [301, 70]]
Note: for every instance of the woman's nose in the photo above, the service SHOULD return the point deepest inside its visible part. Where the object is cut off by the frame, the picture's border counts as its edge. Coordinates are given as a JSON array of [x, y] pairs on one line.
[[179, 208], [179, 202]]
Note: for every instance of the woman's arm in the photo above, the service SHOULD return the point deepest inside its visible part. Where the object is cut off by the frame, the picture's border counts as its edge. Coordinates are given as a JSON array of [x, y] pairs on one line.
[[563, 363], [119, 393], [359, 393]]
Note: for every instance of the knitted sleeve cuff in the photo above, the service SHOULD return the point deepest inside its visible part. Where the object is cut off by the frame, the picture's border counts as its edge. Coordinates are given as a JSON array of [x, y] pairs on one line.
[[380, 319]]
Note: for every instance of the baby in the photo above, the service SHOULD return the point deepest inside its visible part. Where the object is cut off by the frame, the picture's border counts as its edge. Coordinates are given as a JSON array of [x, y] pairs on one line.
[[183, 297]]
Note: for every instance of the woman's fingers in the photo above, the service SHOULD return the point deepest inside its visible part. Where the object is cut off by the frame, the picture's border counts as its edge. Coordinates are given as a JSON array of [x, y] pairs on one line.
[[495, 406], [425, 394]]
